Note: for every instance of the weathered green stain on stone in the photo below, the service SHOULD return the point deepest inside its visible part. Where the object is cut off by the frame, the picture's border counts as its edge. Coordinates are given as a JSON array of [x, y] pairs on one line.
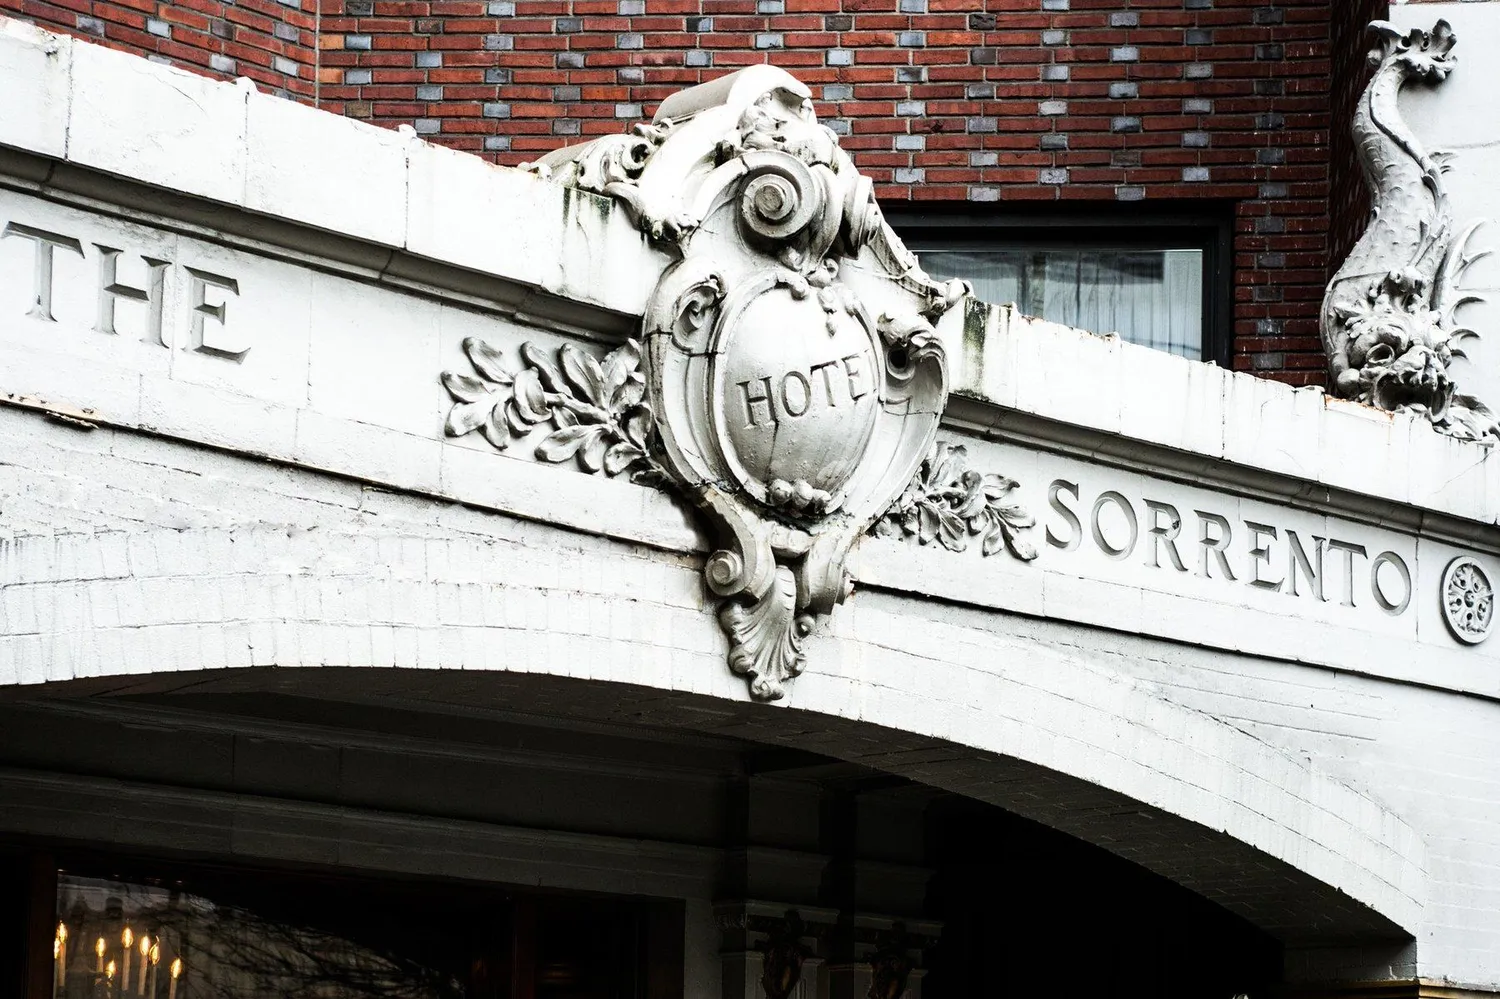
[[976, 324]]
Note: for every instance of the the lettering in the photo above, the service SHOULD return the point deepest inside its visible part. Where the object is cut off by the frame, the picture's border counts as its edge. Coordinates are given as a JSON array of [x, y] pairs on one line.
[[203, 311], [854, 365], [1348, 551], [791, 409], [45, 243], [769, 399], [826, 369], [1310, 568], [111, 292], [1377, 587], [1260, 553], [1213, 543], [759, 396]]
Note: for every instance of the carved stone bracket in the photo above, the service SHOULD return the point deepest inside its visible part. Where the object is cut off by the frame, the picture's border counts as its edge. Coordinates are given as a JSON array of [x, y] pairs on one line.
[[1388, 321], [788, 382], [887, 954], [612, 166], [781, 944], [783, 955], [891, 964]]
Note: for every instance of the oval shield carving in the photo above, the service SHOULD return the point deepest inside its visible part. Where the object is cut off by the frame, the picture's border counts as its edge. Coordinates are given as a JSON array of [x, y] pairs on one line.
[[796, 389]]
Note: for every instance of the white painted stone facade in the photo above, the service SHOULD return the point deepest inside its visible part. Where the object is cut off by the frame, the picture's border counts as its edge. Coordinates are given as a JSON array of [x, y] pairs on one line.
[[270, 485]]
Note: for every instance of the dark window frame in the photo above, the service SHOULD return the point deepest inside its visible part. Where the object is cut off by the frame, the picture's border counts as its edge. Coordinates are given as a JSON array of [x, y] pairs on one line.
[[1206, 226]]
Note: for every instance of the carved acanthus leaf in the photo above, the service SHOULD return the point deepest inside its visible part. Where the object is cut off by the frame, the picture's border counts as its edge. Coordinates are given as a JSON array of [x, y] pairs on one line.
[[596, 410], [951, 503]]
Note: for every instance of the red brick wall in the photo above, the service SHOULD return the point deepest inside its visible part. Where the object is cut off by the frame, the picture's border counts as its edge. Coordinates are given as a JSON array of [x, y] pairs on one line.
[[271, 42], [958, 101], [1349, 201]]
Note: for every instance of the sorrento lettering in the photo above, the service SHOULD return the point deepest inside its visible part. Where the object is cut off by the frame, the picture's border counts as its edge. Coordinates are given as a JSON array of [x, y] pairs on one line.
[[1211, 546], [111, 292]]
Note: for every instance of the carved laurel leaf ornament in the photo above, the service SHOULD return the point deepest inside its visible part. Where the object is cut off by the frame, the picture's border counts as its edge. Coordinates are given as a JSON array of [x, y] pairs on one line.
[[788, 379], [950, 503], [595, 409]]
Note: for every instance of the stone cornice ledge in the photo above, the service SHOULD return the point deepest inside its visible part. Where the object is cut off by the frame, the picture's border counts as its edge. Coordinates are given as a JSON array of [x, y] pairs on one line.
[[80, 106], [351, 191], [1022, 378]]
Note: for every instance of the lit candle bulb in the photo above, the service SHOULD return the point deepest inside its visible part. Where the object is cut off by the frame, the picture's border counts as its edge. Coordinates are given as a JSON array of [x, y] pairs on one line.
[[99, 956], [109, 972], [140, 982], [62, 951], [155, 960], [127, 938], [176, 974]]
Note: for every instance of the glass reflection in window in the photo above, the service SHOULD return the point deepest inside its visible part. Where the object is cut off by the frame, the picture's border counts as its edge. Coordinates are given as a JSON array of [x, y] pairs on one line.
[[1153, 297], [117, 940]]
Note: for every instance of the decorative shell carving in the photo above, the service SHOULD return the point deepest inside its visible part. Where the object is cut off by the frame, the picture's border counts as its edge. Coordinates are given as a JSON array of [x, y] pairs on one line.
[[1389, 315]]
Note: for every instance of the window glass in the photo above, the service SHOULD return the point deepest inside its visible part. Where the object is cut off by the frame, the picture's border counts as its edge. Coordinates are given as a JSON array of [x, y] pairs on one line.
[[1153, 297], [248, 936], [129, 941]]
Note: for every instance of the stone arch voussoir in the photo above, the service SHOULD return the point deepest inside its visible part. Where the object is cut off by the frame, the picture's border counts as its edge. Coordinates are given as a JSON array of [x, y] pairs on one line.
[[604, 630]]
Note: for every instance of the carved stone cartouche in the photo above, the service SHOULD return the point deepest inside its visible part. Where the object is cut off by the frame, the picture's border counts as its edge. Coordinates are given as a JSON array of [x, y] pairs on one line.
[[1388, 317], [788, 379], [791, 367]]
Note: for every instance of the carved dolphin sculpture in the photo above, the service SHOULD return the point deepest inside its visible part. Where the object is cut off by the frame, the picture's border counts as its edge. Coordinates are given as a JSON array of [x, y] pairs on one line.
[[1388, 317]]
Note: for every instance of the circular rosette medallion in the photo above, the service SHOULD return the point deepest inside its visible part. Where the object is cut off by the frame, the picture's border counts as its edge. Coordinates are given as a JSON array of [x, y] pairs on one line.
[[796, 394], [1468, 600]]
